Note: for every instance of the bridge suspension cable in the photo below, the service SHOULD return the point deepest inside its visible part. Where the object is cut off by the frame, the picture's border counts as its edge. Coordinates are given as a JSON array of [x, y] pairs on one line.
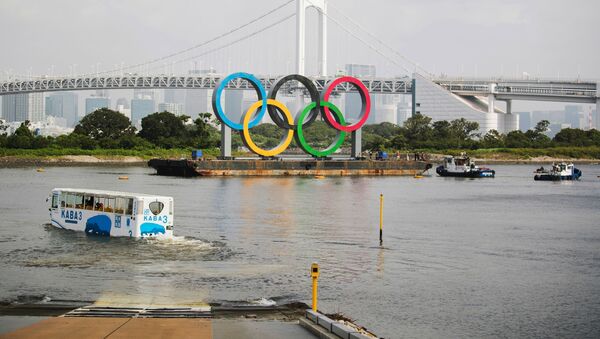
[[204, 43], [231, 43], [374, 37], [366, 43]]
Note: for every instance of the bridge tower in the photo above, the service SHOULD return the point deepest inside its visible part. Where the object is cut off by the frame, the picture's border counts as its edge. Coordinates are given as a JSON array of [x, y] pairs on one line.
[[321, 7]]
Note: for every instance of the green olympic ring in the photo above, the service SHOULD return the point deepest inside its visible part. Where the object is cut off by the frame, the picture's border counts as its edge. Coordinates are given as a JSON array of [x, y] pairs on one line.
[[299, 135]]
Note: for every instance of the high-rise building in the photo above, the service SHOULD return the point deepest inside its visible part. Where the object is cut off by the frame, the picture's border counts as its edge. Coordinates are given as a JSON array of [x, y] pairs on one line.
[[352, 101], [198, 100], [122, 102], [63, 105], [140, 108], [524, 121], [143, 94], [9, 107], [142, 105], [553, 129], [404, 111], [125, 111], [174, 96], [573, 115], [247, 102], [36, 107], [21, 107], [94, 103], [171, 107], [363, 71], [233, 104], [384, 109], [586, 120]]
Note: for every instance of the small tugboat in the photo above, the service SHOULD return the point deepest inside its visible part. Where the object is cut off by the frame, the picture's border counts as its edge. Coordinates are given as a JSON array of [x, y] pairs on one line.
[[463, 167], [561, 171]]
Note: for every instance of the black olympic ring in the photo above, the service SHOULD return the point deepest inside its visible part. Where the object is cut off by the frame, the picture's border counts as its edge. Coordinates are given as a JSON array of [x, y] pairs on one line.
[[314, 96]]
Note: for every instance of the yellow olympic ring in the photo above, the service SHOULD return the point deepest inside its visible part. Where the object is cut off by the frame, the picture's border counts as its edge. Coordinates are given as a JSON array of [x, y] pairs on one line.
[[285, 141]]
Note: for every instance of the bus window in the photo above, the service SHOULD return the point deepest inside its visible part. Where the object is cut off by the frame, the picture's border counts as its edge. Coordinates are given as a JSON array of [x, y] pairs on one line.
[[99, 206], [129, 207], [70, 200], [55, 201], [120, 205], [89, 202], [156, 207], [170, 207], [63, 200], [78, 201], [109, 205]]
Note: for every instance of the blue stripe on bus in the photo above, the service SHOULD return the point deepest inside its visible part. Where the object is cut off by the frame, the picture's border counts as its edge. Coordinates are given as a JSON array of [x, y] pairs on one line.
[[71, 221]]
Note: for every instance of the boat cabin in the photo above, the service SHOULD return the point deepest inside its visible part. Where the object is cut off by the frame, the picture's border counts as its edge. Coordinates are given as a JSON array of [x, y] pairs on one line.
[[458, 163]]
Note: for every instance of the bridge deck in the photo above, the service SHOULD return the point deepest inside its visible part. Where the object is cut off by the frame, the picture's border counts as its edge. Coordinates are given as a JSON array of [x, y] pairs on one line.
[[503, 89]]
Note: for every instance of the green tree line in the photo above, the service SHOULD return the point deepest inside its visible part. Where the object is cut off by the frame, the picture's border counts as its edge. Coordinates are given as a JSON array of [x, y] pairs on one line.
[[108, 129]]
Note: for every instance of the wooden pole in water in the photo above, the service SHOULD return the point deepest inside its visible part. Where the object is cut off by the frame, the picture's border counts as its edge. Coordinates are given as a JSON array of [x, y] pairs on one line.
[[381, 219]]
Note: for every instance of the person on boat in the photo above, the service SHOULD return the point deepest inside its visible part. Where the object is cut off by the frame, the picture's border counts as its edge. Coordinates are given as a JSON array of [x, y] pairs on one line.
[[89, 203]]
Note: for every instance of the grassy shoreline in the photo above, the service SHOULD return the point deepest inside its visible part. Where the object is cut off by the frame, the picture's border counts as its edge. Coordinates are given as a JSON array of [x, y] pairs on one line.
[[75, 156]]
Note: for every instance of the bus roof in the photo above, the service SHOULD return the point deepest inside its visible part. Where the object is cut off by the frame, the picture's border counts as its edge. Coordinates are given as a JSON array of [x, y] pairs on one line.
[[109, 193]]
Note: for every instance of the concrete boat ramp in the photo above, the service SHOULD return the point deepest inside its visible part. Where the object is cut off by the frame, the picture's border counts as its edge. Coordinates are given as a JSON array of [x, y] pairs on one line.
[[132, 318]]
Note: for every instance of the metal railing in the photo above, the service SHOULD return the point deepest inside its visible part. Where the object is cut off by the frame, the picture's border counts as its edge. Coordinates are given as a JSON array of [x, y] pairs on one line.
[[374, 85]]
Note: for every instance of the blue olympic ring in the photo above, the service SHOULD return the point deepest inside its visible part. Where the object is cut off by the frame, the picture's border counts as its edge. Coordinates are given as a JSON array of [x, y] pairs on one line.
[[216, 100]]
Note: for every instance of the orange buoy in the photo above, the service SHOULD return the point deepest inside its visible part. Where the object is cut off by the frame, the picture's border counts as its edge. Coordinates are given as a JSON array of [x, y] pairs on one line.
[[123, 177]]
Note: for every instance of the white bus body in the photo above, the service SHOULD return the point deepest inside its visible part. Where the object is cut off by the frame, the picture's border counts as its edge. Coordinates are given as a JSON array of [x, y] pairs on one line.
[[109, 213]]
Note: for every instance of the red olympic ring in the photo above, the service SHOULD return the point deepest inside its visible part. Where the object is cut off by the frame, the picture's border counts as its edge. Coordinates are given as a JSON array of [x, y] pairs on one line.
[[365, 98]]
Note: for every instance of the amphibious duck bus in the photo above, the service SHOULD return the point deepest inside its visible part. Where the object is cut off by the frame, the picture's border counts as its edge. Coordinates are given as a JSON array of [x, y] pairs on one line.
[[109, 213]]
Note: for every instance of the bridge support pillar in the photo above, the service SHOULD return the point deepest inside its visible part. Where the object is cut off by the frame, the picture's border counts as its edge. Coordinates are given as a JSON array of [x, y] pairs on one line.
[[491, 103], [356, 143], [225, 141], [491, 98], [511, 121]]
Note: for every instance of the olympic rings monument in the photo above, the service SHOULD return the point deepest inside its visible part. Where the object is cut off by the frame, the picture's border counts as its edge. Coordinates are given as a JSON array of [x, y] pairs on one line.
[[315, 161]]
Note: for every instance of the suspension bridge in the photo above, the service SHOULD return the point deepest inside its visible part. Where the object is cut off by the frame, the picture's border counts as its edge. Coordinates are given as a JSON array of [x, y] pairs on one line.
[[155, 73]]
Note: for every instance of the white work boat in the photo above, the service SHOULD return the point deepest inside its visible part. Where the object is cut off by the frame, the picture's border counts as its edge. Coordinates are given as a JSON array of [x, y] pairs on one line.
[[560, 171]]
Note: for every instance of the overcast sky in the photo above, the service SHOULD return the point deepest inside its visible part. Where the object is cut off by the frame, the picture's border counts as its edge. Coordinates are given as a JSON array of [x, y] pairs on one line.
[[551, 38], [546, 38]]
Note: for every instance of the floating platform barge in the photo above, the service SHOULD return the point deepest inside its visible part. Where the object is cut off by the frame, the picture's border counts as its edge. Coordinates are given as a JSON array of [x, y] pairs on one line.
[[287, 167]]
